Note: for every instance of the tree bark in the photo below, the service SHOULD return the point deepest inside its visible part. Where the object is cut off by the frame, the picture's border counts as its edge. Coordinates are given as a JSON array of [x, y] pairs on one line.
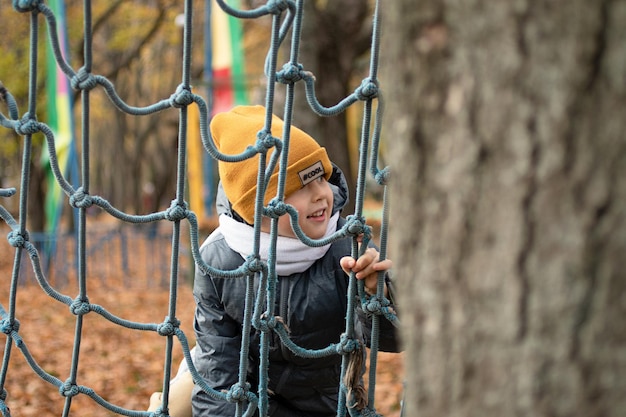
[[506, 131]]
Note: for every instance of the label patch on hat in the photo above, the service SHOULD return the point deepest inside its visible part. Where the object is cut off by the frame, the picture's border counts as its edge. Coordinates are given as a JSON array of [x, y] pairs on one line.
[[312, 172]]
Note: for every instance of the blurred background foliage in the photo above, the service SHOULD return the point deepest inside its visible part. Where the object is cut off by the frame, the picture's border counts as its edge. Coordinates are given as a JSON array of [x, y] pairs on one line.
[[137, 45]]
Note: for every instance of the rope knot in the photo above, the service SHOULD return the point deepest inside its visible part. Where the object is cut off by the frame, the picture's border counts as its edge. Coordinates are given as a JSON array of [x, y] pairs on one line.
[[27, 126], [237, 393], [254, 264], [26, 5], [346, 345], [356, 225], [265, 141], [80, 307], [367, 90], [277, 6], [68, 389], [290, 73], [267, 325], [176, 211], [275, 209], [182, 97], [81, 199], [83, 80], [17, 239], [7, 326], [373, 305], [168, 327], [382, 176]]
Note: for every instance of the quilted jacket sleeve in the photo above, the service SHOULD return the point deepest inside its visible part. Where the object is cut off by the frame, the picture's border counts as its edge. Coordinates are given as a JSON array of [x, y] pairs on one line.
[[218, 343]]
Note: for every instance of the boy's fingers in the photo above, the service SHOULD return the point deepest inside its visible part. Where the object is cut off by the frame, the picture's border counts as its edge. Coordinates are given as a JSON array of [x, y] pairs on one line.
[[366, 265], [369, 257], [373, 268], [383, 265], [347, 262]]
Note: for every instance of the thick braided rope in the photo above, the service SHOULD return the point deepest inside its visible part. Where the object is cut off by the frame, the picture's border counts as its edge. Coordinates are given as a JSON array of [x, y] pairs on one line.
[[259, 310]]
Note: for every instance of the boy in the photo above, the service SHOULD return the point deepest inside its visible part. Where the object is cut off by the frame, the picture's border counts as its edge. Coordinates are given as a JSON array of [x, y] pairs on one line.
[[311, 291]]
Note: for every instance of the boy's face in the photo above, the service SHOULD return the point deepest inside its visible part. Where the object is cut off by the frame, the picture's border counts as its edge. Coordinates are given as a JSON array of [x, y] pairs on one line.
[[314, 203]]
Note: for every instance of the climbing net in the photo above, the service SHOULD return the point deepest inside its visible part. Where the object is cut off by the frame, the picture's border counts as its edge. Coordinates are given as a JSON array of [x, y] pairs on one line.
[[286, 16]]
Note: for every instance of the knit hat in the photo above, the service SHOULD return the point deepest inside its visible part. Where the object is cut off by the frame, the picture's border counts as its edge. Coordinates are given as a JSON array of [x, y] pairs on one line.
[[235, 130]]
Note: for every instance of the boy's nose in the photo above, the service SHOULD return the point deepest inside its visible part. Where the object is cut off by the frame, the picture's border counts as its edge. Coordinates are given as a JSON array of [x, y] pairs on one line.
[[317, 189]]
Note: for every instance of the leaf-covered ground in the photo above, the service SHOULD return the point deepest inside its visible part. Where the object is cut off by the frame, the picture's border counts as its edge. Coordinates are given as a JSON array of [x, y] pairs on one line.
[[123, 366]]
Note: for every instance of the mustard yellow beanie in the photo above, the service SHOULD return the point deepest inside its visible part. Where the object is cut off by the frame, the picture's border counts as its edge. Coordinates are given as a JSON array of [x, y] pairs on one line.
[[235, 130]]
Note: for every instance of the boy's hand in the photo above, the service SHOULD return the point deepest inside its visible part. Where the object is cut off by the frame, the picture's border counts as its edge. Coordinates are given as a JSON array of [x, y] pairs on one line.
[[366, 268]]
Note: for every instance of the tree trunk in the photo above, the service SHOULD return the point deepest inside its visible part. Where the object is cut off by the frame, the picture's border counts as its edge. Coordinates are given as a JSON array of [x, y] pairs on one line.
[[506, 129]]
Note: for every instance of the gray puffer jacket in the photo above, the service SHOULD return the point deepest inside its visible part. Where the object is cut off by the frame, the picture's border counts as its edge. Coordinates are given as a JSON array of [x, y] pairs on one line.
[[313, 304]]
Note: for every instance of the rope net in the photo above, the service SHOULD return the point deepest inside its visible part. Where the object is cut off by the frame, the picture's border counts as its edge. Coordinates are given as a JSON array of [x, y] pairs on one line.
[[286, 17]]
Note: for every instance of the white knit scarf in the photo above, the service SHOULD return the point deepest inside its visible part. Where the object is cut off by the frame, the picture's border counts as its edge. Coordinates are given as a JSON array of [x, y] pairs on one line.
[[292, 256]]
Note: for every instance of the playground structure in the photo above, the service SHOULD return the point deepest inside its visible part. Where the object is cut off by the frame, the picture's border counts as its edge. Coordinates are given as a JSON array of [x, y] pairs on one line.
[[286, 16]]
